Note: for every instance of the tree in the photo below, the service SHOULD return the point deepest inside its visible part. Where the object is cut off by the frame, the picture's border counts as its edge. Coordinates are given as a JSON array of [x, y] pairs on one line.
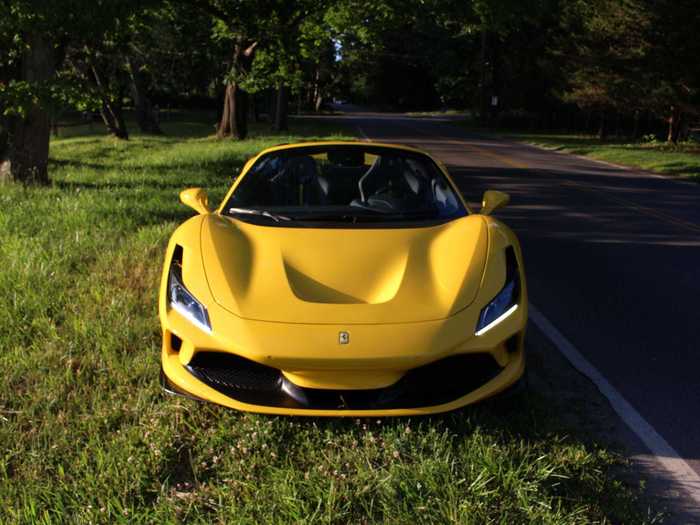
[[380, 62], [265, 39], [28, 134], [37, 37], [292, 37], [605, 70], [238, 24], [178, 61], [30, 66], [671, 63], [114, 66], [415, 53], [635, 55], [141, 53], [234, 117]]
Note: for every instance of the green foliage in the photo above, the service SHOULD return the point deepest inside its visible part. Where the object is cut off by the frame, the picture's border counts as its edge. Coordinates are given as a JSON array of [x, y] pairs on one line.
[[636, 54], [70, 25], [177, 47], [539, 57], [19, 96], [605, 70], [286, 33], [425, 53]]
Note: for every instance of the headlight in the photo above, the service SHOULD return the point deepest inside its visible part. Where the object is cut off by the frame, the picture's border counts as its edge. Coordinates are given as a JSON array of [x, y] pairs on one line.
[[181, 300], [506, 301]]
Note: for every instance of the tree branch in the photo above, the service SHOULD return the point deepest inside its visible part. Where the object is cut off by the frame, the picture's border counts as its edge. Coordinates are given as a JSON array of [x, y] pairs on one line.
[[250, 49]]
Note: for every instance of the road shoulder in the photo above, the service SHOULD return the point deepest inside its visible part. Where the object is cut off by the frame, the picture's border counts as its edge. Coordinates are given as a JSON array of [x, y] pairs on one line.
[[586, 409]]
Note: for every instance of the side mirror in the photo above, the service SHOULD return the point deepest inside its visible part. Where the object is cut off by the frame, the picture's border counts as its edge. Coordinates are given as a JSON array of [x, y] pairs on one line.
[[195, 198], [492, 201]]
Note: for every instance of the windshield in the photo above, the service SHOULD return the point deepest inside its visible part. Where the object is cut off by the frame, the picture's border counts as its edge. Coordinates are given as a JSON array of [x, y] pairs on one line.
[[340, 185]]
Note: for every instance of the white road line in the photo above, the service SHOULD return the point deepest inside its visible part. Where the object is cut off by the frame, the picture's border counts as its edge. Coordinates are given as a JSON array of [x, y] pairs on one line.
[[665, 455]]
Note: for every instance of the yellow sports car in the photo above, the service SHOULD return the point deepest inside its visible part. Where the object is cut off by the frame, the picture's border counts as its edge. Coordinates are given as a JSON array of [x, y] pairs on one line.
[[342, 279]]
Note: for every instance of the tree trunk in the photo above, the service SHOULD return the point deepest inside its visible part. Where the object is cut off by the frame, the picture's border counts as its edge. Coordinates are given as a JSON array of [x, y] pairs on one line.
[[571, 125], [27, 151], [228, 113], [146, 116], [234, 117], [272, 110], [224, 127], [683, 128], [113, 117], [587, 124], [54, 126], [254, 109], [110, 110], [635, 127], [316, 92], [674, 124], [4, 136], [281, 109], [603, 127], [482, 96]]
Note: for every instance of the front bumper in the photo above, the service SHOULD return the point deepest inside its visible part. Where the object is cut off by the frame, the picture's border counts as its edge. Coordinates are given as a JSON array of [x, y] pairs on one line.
[[424, 388], [435, 378]]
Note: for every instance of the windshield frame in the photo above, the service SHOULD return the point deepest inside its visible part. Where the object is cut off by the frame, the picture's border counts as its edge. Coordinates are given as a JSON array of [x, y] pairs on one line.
[[312, 148]]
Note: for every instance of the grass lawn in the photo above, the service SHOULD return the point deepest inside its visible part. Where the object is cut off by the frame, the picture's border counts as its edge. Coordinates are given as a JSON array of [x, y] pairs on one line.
[[88, 437], [681, 160]]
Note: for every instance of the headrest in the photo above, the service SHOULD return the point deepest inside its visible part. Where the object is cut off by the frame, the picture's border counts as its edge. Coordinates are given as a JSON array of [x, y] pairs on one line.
[[346, 157], [302, 167]]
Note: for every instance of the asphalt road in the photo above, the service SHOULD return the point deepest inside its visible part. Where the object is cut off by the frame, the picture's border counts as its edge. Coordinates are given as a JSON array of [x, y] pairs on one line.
[[612, 258]]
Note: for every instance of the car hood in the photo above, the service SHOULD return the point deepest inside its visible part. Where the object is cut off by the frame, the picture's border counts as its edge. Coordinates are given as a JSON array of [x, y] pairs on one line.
[[343, 276]]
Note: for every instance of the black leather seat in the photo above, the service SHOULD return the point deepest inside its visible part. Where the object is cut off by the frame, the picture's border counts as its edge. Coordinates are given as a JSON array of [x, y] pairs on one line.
[[302, 182], [340, 184]]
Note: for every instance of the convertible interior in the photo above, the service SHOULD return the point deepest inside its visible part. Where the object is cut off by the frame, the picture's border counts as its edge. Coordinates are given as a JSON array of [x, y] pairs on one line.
[[346, 180]]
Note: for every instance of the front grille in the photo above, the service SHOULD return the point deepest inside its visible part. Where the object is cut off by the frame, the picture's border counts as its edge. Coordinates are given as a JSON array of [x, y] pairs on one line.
[[433, 384], [233, 372]]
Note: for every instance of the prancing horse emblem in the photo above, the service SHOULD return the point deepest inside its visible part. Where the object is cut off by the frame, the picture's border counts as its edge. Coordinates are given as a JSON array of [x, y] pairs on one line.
[[343, 338]]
